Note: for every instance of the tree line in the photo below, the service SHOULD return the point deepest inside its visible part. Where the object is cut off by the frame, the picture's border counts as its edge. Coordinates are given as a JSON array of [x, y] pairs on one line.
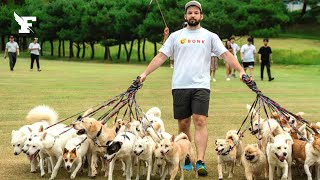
[[84, 23]]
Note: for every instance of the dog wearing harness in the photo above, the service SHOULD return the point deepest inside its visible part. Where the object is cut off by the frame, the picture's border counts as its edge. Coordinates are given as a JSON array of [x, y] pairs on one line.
[[121, 148]]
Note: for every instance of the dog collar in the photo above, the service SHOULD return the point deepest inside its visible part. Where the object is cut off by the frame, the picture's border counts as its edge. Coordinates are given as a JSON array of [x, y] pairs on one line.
[[228, 151]]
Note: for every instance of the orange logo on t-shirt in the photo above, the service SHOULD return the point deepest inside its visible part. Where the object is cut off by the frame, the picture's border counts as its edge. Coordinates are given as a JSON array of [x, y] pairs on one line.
[[183, 41], [191, 41]]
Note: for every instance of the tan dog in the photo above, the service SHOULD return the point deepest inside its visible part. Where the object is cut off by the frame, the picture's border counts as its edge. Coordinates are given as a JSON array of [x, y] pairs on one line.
[[227, 154], [254, 161], [308, 153], [175, 151], [100, 135], [236, 139]]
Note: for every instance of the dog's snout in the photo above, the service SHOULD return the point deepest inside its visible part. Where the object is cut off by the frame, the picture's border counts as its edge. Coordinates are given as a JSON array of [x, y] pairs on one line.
[[15, 153], [135, 152], [284, 154], [30, 139], [27, 153], [161, 152], [68, 167]]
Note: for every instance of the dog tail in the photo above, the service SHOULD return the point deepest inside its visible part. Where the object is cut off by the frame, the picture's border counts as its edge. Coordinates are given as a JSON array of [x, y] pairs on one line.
[[300, 114], [181, 136], [155, 111], [234, 137], [42, 113]]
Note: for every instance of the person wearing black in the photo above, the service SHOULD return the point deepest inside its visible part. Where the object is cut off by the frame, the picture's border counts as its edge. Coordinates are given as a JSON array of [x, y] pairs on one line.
[[265, 58]]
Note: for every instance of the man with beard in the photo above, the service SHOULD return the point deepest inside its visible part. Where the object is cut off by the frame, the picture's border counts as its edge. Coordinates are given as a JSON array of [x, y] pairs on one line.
[[191, 49]]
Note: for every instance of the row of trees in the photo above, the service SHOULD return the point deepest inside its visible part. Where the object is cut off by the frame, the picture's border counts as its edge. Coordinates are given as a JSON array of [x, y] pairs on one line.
[[120, 22]]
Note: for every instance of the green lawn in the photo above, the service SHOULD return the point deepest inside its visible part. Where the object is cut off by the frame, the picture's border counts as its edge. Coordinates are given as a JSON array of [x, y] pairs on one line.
[[70, 87]]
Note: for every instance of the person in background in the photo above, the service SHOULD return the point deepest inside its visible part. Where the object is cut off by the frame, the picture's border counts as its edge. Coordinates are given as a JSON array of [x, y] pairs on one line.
[[12, 49], [214, 66], [265, 58], [191, 49], [34, 49], [236, 49], [227, 66], [248, 55]]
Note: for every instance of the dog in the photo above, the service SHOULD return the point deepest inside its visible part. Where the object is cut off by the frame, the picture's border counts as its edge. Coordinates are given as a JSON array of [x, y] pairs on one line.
[[153, 115], [227, 154], [52, 144], [236, 139], [160, 161], [75, 153], [279, 154], [42, 116], [121, 149], [175, 151], [100, 135], [254, 161], [307, 153], [143, 149]]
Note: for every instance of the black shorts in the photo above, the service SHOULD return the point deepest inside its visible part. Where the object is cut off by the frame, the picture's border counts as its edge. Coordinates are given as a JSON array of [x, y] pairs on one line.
[[190, 101], [248, 64]]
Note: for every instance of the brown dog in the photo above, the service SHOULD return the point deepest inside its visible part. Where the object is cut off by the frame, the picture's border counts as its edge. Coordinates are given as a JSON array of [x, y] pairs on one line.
[[254, 162], [175, 151], [100, 135]]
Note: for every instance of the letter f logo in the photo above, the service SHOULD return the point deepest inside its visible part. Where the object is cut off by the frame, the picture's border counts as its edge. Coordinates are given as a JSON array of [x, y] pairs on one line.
[[23, 22]]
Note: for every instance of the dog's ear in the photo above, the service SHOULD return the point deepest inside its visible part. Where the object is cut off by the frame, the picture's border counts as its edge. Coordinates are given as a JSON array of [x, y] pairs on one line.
[[119, 143], [215, 142], [256, 145], [44, 136], [12, 132], [41, 129], [65, 150], [79, 118], [172, 138], [29, 129], [156, 146], [270, 139]]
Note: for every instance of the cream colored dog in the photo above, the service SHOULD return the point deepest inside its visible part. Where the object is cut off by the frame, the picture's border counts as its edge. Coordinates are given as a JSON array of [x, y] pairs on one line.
[[100, 135], [227, 155], [254, 162], [175, 151]]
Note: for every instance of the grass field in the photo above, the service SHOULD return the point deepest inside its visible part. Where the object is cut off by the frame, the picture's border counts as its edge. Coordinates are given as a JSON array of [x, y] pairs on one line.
[[70, 87]]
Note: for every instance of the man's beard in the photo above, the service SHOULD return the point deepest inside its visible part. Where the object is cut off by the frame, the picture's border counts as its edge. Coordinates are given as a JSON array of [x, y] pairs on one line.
[[193, 22]]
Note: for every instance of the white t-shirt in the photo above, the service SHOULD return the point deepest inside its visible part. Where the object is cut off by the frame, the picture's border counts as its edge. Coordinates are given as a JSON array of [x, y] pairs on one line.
[[235, 48], [34, 45], [248, 52], [191, 51], [12, 46]]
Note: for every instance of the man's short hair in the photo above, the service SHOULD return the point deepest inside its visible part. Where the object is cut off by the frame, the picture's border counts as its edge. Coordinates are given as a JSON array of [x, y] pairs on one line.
[[193, 3], [265, 40], [232, 37], [250, 39], [11, 37]]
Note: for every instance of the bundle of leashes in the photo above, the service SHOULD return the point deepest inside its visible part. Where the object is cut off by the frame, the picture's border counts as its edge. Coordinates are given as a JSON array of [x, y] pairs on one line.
[[112, 107], [264, 103]]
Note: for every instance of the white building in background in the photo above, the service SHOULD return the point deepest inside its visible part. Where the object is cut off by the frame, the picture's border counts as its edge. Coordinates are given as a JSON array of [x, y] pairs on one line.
[[295, 5]]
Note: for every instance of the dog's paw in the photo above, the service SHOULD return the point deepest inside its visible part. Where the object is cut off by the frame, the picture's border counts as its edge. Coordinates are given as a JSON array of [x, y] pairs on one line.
[[72, 176], [33, 171], [284, 178], [230, 176], [42, 174]]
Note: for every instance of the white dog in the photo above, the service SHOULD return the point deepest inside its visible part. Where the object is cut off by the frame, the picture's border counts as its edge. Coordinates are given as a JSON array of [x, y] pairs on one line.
[[75, 153], [42, 116], [144, 149], [279, 154], [53, 145], [153, 116], [121, 149]]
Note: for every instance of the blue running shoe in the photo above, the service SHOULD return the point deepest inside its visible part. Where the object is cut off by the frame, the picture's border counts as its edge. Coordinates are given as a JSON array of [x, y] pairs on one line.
[[201, 168], [187, 164]]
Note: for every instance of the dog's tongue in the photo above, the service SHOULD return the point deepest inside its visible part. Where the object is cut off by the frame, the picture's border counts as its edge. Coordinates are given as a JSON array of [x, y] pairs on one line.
[[282, 158]]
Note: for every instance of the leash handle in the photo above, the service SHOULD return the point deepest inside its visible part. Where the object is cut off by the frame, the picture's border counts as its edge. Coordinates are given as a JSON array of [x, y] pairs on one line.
[[135, 86], [251, 84]]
